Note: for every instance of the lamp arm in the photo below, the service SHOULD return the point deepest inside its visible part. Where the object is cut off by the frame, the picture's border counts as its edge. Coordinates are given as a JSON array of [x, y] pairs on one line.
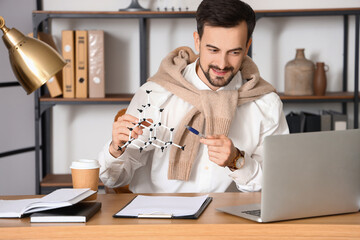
[[2, 25]]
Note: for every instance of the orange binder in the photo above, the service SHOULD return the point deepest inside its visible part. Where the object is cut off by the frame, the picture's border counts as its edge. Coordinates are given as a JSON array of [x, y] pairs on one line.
[[81, 64], [68, 52], [96, 64], [54, 84]]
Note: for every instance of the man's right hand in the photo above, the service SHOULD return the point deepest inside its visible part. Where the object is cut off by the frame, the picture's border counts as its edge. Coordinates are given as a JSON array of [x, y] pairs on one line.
[[120, 133]]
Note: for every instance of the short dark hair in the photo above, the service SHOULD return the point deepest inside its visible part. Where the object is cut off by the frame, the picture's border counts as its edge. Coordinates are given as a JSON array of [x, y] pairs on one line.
[[224, 13]]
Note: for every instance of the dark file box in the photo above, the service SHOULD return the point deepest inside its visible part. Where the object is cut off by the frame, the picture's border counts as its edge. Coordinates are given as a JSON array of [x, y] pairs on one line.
[[312, 122]]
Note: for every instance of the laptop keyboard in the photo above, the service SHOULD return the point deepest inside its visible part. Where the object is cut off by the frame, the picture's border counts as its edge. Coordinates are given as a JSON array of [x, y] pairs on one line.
[[256, 212]]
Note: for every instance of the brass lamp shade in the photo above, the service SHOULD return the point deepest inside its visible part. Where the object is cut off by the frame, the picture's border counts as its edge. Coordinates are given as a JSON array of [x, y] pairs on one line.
[[33, 61]]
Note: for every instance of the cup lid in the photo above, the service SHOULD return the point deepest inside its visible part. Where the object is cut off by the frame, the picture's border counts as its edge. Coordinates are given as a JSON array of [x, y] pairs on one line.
[[85, 164]]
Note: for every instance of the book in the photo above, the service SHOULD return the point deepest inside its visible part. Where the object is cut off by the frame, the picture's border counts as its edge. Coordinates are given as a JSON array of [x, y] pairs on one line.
[[59, 198], [54, 84], [295, 122], [325, 121], [312, 122], [164, 207], [81, 64], [80, 212], [68, 52], [338, 121], [96, 64]]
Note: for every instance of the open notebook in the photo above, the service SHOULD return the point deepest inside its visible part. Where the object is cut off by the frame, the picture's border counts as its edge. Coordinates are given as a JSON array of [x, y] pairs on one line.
[[59, 198]]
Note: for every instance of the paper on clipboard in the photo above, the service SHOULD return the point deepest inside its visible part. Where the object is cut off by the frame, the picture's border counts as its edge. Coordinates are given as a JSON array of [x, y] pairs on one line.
[[162, 206]]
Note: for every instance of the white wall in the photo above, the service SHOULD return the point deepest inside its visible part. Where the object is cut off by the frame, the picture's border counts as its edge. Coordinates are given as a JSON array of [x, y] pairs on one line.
[[81, 131]]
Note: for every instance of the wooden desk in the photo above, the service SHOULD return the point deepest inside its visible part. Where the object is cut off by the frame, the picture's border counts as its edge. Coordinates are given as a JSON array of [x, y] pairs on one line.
[[212, 224]]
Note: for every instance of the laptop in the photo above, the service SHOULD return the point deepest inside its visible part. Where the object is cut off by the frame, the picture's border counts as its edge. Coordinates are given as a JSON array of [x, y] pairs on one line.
[[307, 175]]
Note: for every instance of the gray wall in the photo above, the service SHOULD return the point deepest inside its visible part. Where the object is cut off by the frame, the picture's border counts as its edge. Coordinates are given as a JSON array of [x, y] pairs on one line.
[[17, 172]]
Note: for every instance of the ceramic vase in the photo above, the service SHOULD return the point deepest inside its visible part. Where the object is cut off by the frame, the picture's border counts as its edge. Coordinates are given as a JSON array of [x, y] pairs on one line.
[[320, 79], [299, 75]]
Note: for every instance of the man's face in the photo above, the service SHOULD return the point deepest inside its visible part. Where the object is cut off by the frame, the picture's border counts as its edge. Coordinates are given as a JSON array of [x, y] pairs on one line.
[[221, 52]]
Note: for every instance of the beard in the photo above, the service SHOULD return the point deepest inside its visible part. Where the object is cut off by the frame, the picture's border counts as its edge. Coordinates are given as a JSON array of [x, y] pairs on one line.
[[218, 81]]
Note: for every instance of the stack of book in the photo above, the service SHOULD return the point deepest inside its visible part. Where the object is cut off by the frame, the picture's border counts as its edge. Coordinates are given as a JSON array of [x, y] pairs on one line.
[[310, 122], [62, 205]]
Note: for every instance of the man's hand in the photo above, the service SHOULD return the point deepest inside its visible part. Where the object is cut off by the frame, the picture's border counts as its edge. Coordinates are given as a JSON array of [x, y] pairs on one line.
[[120, 132], [221, 149]]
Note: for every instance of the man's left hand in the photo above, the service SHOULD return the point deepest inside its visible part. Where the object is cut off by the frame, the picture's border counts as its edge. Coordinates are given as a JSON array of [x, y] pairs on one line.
[[221, 149]]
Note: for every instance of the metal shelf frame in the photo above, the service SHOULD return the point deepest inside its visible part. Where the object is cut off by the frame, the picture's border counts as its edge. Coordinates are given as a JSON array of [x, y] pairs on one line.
[[41, 22], [345, 12]]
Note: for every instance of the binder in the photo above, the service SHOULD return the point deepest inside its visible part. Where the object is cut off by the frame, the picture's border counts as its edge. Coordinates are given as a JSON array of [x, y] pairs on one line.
[[54, 84], [96, 64], [68, 52], [162, 203], [81, 64]]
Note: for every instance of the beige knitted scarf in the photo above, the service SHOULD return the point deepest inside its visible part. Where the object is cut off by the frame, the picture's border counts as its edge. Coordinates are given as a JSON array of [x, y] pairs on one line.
[[215, 109]]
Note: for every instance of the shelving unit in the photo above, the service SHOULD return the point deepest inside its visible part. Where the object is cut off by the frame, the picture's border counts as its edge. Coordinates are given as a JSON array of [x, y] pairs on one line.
[[52, 182], [43, 103], [341, 97]]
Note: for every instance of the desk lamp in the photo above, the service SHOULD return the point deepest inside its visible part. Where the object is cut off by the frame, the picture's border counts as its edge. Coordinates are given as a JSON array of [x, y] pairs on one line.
[[33, 61]]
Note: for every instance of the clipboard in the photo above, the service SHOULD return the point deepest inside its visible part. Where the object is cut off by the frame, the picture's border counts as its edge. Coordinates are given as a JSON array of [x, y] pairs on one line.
[[165, 215]]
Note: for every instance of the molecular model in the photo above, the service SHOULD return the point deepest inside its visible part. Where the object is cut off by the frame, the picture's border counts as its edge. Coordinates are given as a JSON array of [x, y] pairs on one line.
[[153, 128]]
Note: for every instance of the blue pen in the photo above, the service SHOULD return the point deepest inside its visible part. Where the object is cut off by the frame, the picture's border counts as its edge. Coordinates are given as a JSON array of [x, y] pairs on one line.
[[194, 131]]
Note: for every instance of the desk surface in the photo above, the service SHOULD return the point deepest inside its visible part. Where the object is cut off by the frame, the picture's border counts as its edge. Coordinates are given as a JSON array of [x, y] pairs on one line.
[[212, 224]]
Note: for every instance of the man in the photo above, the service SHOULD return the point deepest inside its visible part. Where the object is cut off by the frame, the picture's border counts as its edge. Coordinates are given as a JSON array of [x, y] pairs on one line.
[[220, 93]]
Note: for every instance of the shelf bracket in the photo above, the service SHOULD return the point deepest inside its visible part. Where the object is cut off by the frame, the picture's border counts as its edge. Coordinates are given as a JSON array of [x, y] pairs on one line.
[[45, 107], [39, 18]]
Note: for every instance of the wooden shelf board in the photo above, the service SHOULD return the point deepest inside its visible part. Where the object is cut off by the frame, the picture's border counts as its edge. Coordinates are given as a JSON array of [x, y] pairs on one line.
[[307, 10], [118, 12], [125, 97], [59, 180], [327, 96], [128, 97], [193, 12]]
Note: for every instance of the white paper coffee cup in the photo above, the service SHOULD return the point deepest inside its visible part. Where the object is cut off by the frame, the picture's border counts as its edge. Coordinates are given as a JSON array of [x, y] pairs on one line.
[[85, 174]]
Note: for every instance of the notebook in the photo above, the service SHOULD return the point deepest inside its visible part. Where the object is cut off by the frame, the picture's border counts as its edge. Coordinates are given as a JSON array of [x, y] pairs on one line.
[[80, 212], [307, 175]]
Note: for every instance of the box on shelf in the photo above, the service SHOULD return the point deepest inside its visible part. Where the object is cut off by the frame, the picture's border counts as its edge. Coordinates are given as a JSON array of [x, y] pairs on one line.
[[81, 64], [68, 52], [54, 84], [96, 64]]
